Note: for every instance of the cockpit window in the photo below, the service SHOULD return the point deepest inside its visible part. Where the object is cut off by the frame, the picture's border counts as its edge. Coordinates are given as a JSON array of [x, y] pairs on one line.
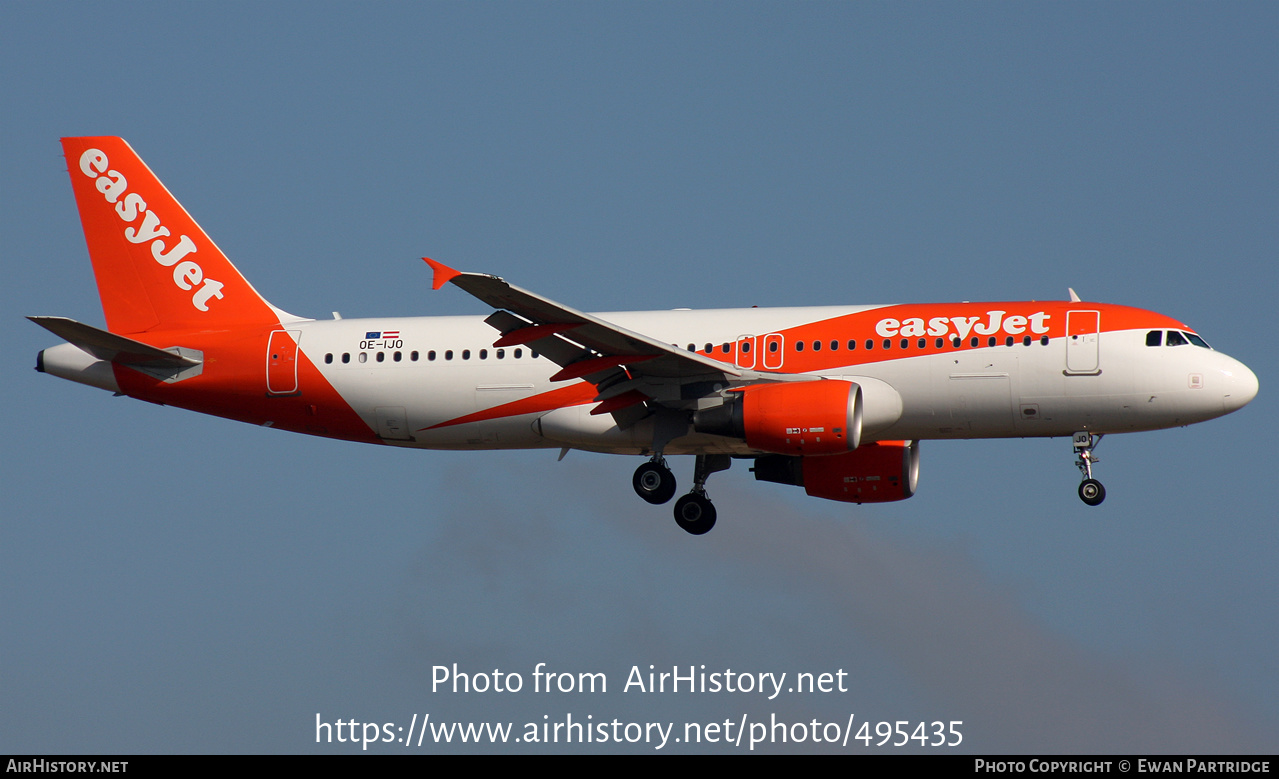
[[1155, 338], [1175, 339], [1196, 340]]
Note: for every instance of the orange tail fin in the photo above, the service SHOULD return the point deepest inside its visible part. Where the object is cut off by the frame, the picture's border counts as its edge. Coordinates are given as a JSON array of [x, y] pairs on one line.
[[155, 267]]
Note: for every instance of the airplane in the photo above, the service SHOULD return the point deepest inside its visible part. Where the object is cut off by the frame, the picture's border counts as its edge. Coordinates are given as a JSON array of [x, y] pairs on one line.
[[835, 399]]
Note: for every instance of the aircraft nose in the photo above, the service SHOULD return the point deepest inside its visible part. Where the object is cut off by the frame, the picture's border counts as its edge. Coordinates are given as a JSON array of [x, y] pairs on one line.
[[1241, 386]]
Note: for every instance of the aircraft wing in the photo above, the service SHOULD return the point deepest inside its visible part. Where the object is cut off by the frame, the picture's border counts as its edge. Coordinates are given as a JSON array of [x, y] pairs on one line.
[[627, 367]]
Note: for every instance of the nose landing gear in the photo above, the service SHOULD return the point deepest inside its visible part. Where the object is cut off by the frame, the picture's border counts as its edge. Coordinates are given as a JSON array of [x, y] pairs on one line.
[[1090, 490]]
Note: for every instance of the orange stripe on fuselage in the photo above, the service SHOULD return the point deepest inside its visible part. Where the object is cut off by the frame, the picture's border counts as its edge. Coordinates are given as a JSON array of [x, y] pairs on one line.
[[929, 321]]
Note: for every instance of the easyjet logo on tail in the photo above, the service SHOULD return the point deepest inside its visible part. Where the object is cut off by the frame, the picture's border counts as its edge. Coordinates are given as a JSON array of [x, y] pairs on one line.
[[187, 275]]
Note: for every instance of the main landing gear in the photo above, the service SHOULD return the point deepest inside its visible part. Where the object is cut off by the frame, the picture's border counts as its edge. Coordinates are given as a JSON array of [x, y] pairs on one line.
[[694, 512], [1090, 490], [653, 481]]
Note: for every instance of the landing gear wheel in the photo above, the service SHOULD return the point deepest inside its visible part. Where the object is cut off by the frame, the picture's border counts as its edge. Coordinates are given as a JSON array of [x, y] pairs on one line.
[[1091, 492], [654, 482], [695, 513]]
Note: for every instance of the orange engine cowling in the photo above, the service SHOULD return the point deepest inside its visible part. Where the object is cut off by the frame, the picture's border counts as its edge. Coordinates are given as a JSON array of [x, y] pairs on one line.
[[875, 473], [821, 417]]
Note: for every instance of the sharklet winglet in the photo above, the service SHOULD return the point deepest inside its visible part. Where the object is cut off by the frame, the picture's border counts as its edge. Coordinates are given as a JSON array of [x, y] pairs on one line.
[[443, 273]]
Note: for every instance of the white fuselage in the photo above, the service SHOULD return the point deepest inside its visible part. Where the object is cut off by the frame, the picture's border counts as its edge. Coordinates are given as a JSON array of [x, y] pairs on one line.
[[440, 369]]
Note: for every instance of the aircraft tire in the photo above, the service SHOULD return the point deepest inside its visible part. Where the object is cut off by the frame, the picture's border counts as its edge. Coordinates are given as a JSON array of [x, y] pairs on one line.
[[1091, 492], [695, 514], [654, 483]]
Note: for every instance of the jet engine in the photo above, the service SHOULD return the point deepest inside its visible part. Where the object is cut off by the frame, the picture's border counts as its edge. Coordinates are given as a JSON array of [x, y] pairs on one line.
[[875, 473], [821, 417]]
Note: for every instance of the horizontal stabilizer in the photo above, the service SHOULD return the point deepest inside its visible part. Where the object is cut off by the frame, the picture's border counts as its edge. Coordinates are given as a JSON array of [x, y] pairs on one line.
[[112, 347]]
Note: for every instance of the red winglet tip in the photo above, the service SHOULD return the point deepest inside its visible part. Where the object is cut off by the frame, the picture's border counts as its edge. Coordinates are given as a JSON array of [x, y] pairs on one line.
[[443, 273]]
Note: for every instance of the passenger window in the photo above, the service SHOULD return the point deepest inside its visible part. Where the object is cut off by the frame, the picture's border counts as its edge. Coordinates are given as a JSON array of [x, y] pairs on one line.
[[888, 343], [1025, 340], [466, 354], [799, 346], [448, 354], [519, 353], [1008, 341], [746, 347], [381, 356], [364, 357], [709, 347], [1044, 340], [724, 348], [975, 341], [346, 357], [851, 344], [923, 342], [430, 356], [817, 346], [956, 342], [413, 356], [328, 358], [1155, 338], [484, 354], [1175, 339], [939, 342], [397, 356], [834, 346], [992, 341], [772, 347], [905, 343], [500, 354], [869, 344]]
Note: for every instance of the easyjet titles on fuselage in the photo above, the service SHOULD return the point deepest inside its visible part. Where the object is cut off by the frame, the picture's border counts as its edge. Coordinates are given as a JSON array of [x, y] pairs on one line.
[[963, 325], [187, 275]]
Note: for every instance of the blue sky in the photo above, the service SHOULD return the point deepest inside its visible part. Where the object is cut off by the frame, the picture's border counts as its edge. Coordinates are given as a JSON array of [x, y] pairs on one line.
[[175, 583]]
